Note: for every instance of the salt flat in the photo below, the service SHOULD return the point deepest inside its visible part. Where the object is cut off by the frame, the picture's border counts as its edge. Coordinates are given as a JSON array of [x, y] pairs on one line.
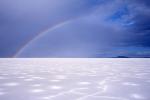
[[75, 79]]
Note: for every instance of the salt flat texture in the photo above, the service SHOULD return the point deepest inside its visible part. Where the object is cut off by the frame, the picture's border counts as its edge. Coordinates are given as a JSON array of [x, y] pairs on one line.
[[75, 79]]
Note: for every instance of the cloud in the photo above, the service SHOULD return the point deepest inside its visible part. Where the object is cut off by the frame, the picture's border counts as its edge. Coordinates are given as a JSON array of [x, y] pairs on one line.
[[95, 26]]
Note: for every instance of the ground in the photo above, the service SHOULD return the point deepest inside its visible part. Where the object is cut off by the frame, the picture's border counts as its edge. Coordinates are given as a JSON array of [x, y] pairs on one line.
[[75, 79]]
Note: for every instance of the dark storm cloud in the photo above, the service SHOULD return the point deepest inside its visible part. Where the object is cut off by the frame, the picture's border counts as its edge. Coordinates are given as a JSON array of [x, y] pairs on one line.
[[134, 16], [141, 27]]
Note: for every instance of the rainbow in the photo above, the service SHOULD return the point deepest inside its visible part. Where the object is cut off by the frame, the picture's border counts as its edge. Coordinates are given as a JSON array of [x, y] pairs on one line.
[[49, 29], [40, 34]]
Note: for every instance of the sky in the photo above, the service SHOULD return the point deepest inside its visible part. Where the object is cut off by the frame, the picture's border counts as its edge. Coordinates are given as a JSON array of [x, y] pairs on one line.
[[74, 28]]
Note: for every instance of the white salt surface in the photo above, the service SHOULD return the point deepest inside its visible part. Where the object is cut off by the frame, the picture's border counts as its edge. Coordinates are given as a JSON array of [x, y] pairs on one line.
[[74, 79]]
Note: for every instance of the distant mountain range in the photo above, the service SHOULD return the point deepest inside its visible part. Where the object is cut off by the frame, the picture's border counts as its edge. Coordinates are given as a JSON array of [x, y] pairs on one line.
[[121, 57], [132, 57]]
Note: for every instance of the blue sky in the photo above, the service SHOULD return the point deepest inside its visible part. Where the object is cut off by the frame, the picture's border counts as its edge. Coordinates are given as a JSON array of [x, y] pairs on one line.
[[74, 28]]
